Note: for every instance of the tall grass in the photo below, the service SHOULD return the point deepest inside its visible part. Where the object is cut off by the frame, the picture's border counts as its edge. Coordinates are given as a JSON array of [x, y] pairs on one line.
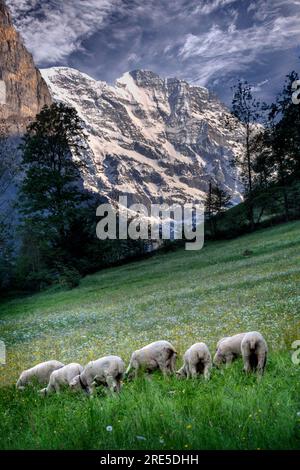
[[183, 297], [231, 411]]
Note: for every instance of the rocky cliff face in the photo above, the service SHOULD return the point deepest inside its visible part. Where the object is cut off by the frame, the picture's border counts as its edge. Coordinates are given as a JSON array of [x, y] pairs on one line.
[[23, 92], [153, 139]]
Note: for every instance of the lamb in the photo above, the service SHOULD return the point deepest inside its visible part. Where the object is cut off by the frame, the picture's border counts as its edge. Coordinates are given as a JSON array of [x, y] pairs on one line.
[[107, 371], [62, 377], [254, 351], [228, 349], [197, 361], [40, 373], [158, 355]]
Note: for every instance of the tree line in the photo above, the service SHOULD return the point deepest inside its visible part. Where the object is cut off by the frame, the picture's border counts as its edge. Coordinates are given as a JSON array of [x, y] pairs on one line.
[[268, 168]]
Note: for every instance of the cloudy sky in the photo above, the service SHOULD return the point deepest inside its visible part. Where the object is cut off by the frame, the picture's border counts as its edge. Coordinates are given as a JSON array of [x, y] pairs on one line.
[[207, 42]]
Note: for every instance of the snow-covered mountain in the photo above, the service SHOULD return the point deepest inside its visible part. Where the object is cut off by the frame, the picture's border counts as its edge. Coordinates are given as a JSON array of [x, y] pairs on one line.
[[152, 139]]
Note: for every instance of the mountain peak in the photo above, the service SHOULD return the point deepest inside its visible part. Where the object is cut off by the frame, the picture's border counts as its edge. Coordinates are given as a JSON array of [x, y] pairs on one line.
[[150, 138], [141, 78], [152, 81], [68, 72]]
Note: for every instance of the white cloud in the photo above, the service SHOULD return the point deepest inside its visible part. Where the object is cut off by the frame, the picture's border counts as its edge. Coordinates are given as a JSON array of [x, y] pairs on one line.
[[225, 51], [203, 41], [52, 30], [209, 6], [266, 9]]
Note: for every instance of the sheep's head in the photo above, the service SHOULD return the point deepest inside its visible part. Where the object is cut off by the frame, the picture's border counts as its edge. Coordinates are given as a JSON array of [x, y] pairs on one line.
[[180, 374], [219, 359], [75, 384], [115, 388], [43, 392], [20, 385]]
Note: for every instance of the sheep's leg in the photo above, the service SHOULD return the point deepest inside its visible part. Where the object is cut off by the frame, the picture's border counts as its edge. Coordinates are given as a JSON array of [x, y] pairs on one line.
[[111, 383], [91, 389], [53, 387], [170, 361], [188, 371], [163, 368], [136, 370], [173, 363], [193, 371], [229, 360], [119, 379], [247, 365], [206, 371], [165, 371], [261, 363], [118, 386]]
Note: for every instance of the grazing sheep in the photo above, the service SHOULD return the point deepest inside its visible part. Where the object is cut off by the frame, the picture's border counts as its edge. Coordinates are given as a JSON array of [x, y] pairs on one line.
[[62, 377], [197, 361], [107, 371], [228, 349], [40, 373], [158, 355], [254, 351]]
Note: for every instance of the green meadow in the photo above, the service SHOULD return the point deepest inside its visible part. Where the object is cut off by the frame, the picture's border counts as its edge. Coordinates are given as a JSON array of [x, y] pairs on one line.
[[184, 297]]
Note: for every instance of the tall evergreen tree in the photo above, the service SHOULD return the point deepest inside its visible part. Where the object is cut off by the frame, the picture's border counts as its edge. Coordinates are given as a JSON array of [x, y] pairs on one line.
[[7, 172], [280, 150], [246, 110], [8, 166], [52, 147], [51, 194], [286, 115], [217, 201]]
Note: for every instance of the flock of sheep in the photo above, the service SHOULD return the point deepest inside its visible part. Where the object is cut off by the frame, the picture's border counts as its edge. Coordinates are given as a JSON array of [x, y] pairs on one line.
[[110, 370]]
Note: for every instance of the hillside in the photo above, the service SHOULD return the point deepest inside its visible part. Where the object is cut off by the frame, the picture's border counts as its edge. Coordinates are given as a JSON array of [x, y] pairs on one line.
[[184, 297]]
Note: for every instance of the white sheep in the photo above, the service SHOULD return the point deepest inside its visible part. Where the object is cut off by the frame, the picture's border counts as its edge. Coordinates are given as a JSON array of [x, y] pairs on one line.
[[62, 377], [197, 361], [107, 371], [228, 349], [40, 373], [254, 351], [158, 355]]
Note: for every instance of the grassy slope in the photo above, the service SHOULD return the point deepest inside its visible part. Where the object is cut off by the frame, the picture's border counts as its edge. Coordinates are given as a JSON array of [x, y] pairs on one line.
[[184, 297]]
